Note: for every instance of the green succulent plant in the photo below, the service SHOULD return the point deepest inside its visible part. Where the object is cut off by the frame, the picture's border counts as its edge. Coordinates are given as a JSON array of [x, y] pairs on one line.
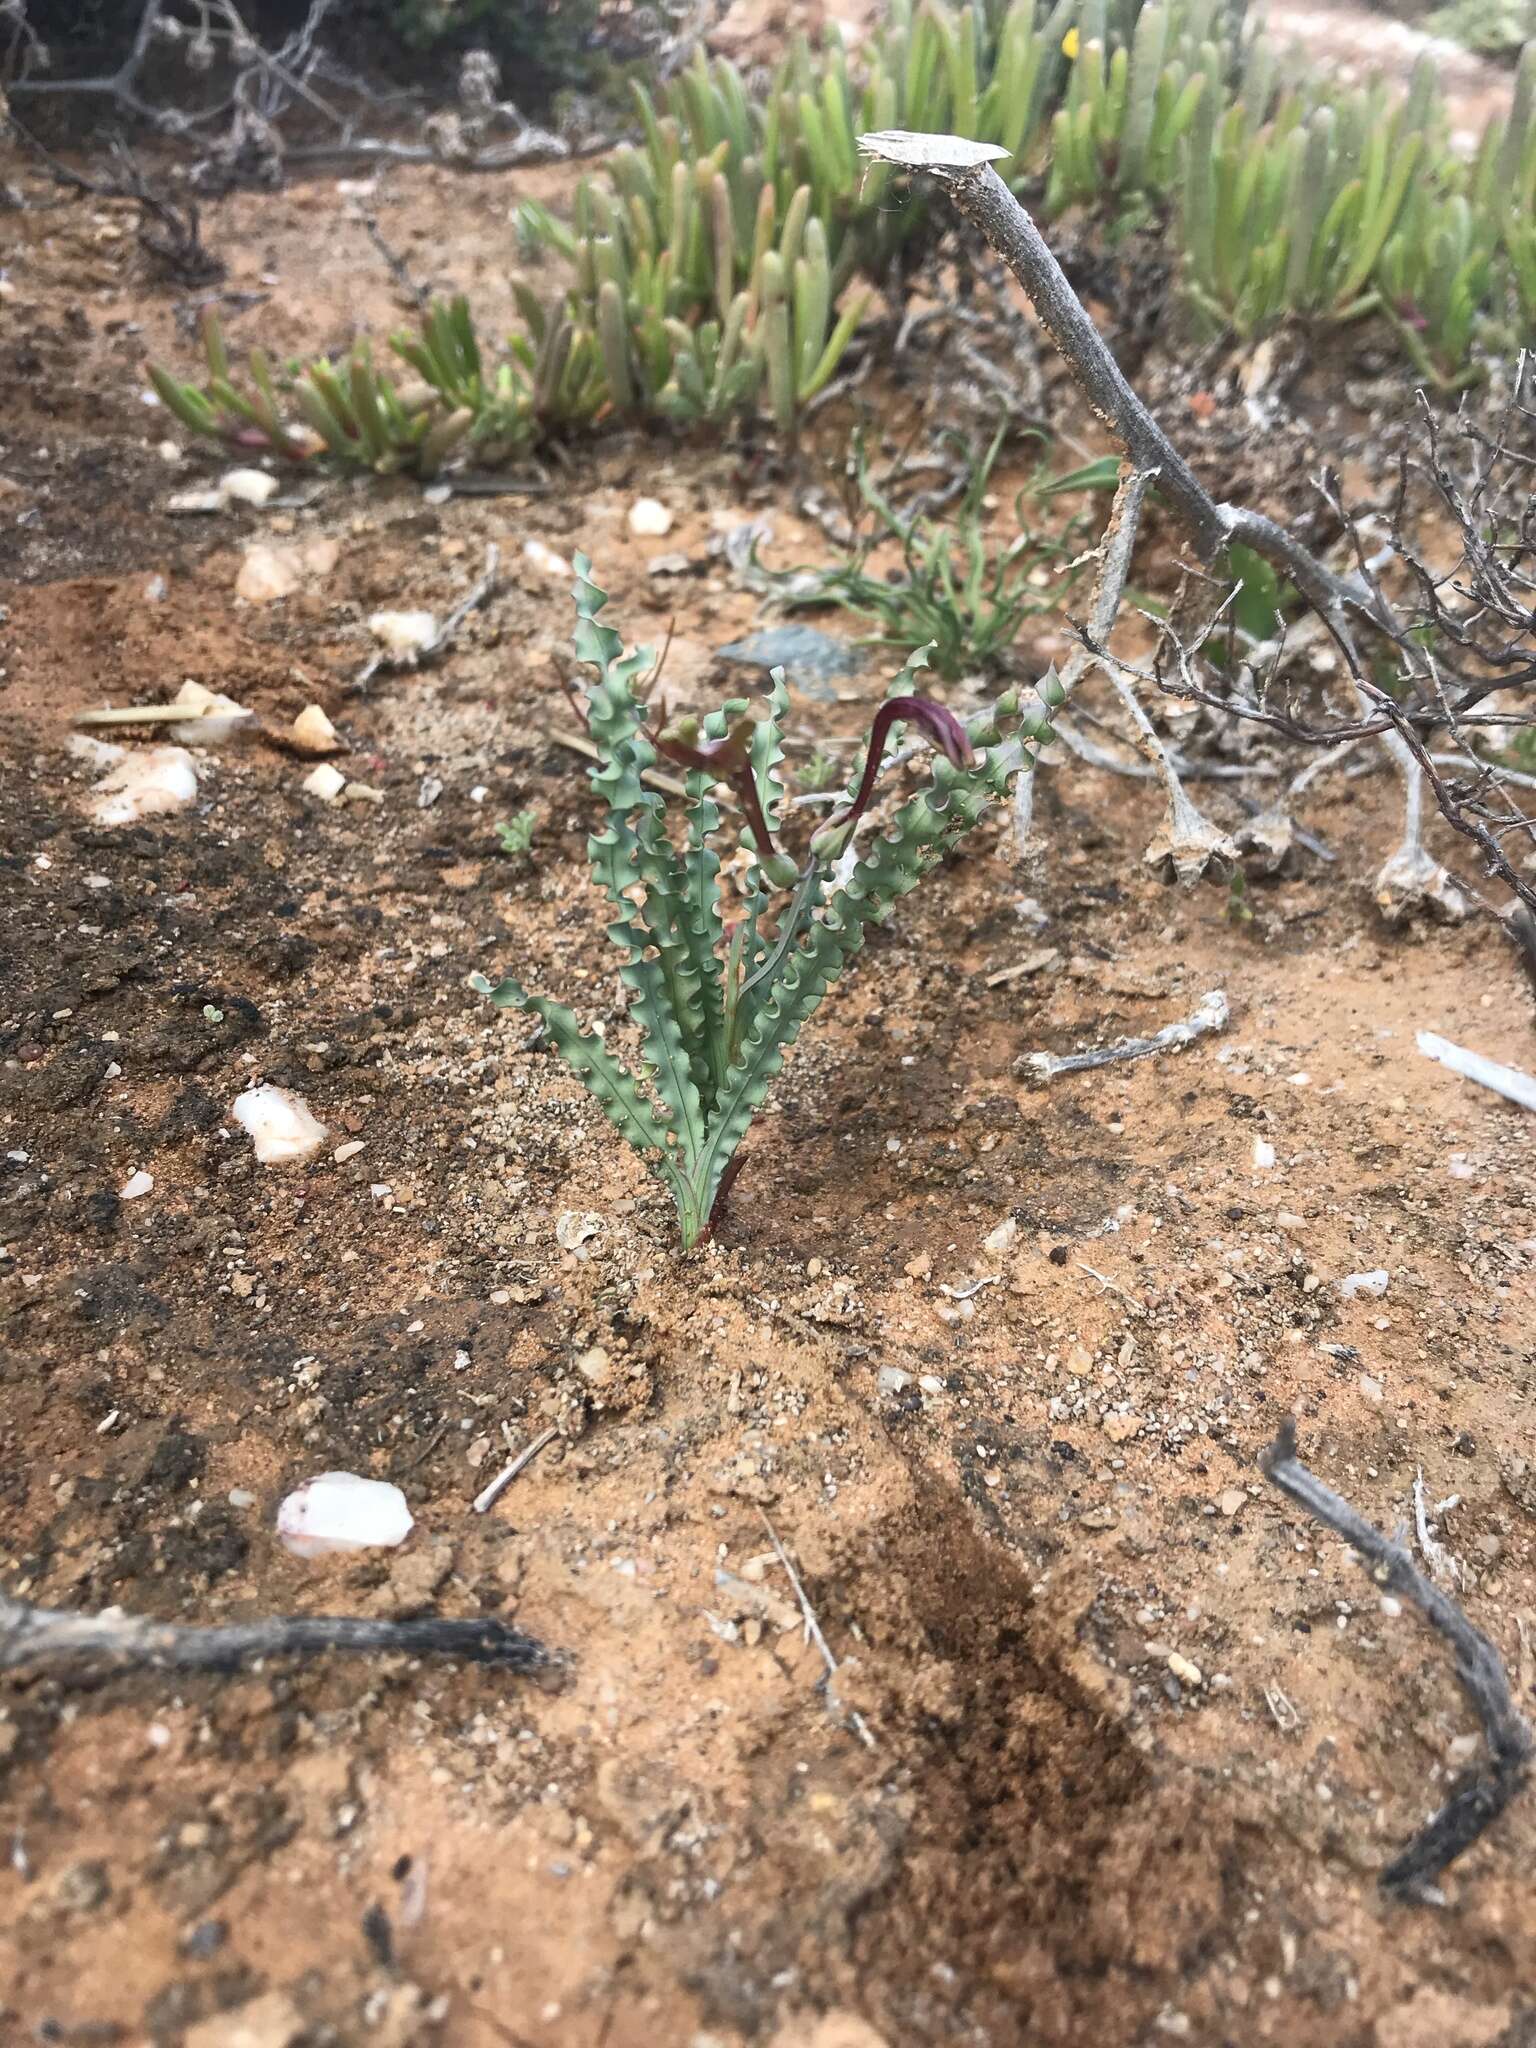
[[721, 985], [717, 260], [962, 591]]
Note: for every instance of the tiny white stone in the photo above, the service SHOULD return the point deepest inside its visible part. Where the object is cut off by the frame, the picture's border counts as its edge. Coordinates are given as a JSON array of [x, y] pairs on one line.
[[267, 574], [1003, 1238], [211, 716], [1373, 1284], [338, 1512], [1182, 1668], [545, 559], [1263, 1154], [313, 733], [279, 1125], [574, 1226], [247, 487], [649, 519], [325, 782], [404, 636], [145, 785], [184, 503], [348, 1151], [137, 1184]]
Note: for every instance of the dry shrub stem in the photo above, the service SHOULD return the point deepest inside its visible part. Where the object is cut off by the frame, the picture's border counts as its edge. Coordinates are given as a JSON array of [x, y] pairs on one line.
[[32, 1635], [256, 87], [1479, 1800], [1500, 592]]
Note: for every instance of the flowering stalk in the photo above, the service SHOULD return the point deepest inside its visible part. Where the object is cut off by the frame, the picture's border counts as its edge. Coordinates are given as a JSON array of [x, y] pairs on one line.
[[729, 760], [941, 726]]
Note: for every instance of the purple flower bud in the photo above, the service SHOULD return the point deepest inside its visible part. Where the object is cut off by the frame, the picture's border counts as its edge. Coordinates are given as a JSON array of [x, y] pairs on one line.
[[728, 760], [941, 726]]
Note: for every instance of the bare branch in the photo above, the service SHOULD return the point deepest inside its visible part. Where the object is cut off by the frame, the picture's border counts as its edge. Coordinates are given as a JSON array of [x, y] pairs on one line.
[[1477, 1803], [32, 1635]]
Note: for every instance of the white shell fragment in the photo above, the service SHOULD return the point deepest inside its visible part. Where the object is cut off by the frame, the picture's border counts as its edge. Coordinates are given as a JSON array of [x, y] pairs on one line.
[[1475, 1066], [930, 152], [279, 1125], [649, 519], [573, 1227], [267, 574], [144, 785], [404, 636], [339, 1512], [137, 1184], [247, 487], [210, 716], [1004, 1238], [325, 782], [1373, 1284], [185, 503], [313, 733], [545, 559]]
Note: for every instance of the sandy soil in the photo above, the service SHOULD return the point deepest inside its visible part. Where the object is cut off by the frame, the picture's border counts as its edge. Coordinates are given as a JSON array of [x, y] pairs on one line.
[[1138, 1742]]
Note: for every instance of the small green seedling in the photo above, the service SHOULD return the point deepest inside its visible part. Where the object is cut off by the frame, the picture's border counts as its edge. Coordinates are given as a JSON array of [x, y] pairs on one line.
[[817, 774], [514, 835], [723, 980]]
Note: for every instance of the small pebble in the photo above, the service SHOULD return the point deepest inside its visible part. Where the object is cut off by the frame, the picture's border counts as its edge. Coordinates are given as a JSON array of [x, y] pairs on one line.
[[325, 782], [1183, 1670], [339, 1512], [137, 1184], [313, 733], [1373, 1284], [279, 1124], [545, 559], [649, 519], [404, 636]]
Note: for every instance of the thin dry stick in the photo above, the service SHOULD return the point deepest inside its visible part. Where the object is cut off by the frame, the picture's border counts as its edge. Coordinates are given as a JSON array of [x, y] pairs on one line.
[[44, 1635], [1115, 552], [488, 1496], [854, 1718], [1477, 1803], [982, 197], [1214, 1014], [419, 295]]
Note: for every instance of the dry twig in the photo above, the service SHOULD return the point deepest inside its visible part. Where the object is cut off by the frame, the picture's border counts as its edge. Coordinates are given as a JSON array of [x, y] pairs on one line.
[[853, 1717], [32, 1635], [1212, 1015], [1478, 1801]]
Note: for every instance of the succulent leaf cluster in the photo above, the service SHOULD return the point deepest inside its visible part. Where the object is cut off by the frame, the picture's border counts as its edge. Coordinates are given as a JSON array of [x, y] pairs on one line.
[[723, 978]]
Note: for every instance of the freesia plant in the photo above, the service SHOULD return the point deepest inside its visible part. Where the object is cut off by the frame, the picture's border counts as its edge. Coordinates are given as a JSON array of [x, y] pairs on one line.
[[727, 959]]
